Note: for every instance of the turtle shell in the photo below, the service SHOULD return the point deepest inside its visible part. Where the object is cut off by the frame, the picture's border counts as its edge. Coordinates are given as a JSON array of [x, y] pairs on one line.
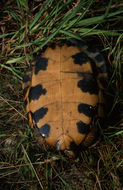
[[63, 95]]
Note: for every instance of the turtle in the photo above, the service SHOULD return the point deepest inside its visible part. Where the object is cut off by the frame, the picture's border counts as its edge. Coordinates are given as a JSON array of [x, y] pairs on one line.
[[63, 94]]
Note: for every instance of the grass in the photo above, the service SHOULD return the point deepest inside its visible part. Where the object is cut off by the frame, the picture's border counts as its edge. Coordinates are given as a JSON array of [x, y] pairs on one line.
[[26, 26]]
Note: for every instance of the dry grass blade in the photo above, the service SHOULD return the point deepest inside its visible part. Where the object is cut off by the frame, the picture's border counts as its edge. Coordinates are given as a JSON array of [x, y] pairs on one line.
[[35, 163], [32, 168], [3, 99]]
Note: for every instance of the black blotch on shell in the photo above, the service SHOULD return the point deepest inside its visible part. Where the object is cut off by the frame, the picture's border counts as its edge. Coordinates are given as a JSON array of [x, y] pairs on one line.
[[83, 128], [41, 64], [80, 58], [52, 46], [45, 130], [72, 146], [77, 43], [26, 78], [87, 109], [88, 85], [39, 114], [36, 92]]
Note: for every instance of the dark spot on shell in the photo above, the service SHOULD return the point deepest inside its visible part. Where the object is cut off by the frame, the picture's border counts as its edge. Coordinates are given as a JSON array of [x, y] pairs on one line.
[[83, 128], [77, 43], [52, 46], [45, 130], [41, 64], [80, 58], [72, 146], [26, 78], [36, 92], [39, 114], [87, 109], [88, 85]]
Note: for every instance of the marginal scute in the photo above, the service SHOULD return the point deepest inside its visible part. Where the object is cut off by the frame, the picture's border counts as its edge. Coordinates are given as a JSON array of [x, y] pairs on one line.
[[63, 94]]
